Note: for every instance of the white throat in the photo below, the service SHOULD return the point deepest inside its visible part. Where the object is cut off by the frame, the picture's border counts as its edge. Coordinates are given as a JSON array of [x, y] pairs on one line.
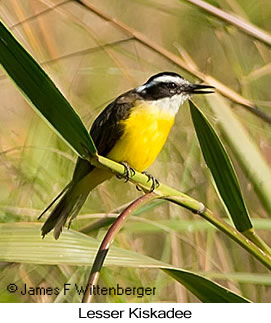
[[170, 105]]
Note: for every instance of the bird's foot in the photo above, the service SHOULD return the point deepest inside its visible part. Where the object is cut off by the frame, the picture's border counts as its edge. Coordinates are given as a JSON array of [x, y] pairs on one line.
[[155, 183], [129, 172]]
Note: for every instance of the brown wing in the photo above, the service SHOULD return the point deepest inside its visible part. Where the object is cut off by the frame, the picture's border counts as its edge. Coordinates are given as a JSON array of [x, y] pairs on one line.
[[106, 130]]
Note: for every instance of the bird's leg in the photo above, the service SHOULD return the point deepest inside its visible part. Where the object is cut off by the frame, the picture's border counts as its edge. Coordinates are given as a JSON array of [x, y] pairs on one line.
[[155, 183], [129, 172]]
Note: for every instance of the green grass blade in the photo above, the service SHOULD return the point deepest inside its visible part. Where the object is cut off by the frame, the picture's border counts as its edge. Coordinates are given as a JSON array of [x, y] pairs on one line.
[[42, 93], [245, 150], [21, 243], [221, 169], [205, 290], [241, 277], [143, 225]]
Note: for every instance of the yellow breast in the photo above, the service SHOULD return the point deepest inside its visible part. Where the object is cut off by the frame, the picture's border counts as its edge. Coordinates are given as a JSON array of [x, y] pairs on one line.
[[145, 133]]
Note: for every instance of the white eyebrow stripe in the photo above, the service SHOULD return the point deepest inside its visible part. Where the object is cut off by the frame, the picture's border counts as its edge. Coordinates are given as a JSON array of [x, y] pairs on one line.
[[162, 79], [141, 88], [169, 78]]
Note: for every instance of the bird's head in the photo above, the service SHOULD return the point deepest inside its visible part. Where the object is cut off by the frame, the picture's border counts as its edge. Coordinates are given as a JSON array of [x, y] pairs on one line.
[[170, 90]]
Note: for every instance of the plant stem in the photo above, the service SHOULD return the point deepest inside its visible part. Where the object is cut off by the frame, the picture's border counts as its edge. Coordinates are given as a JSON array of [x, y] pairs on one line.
[[108, 239], [142, 38], [234, 20], [189, 203], [252, 236]]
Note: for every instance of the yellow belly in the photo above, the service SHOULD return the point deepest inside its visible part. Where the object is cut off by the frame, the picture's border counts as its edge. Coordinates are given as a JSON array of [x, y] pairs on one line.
[[145, 133]]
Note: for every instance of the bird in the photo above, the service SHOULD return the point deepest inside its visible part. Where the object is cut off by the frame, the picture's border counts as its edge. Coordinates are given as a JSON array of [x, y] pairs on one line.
[[132, 130]]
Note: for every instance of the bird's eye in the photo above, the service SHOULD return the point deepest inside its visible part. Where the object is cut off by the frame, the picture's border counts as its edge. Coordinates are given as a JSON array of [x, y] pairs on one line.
[[172, 85]]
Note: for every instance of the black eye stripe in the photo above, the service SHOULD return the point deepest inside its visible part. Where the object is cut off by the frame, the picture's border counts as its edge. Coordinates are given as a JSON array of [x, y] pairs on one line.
[[172, 85], [159, 89]]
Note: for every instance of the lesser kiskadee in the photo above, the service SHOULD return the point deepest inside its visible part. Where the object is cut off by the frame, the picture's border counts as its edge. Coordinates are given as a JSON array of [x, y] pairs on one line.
[[132, 129]]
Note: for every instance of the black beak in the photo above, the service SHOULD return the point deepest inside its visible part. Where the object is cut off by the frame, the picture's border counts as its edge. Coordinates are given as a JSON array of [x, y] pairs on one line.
[[199, 89]]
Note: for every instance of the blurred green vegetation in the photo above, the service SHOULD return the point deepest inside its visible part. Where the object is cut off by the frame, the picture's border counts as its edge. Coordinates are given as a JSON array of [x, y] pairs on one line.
[[92, 61]]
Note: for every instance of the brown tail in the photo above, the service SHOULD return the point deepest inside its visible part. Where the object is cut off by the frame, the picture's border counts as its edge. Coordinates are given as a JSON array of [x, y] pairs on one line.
[[73, 197]]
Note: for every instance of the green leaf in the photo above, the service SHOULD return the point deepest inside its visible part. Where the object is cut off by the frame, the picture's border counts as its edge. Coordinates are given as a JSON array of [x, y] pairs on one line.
[[240, 277], [21, 242], [221, 169], [245, 149], [43, 95], [204, 289], [172, 225]]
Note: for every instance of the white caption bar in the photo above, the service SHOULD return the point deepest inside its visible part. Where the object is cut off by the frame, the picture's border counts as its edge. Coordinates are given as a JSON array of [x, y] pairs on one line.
[[119, 312]]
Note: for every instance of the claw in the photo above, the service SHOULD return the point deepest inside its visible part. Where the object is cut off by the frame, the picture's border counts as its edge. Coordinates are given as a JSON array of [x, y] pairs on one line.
[[129, 172], [155, 182], [139, 188]]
